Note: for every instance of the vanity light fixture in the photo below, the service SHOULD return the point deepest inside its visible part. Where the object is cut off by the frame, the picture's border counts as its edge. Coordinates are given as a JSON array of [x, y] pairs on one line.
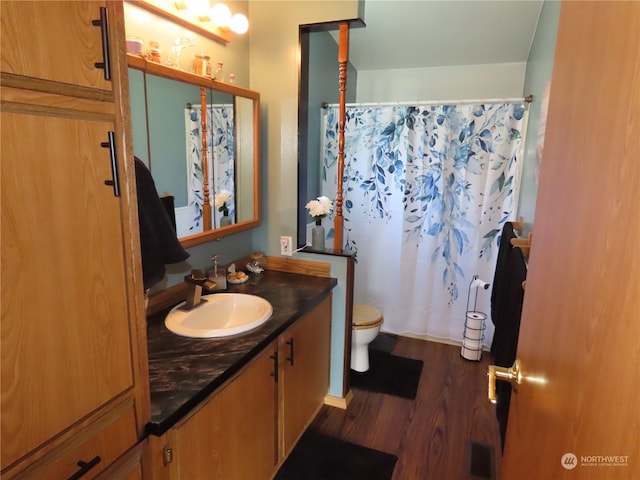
[[219, 14], [215, 22], [239, 24], [199, 8]]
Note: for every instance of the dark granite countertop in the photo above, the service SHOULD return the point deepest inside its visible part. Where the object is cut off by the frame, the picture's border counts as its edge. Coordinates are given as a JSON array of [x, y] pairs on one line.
[[184, 371]]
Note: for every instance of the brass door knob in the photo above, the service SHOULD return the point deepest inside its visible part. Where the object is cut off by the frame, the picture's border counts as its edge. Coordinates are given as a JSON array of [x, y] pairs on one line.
[[512, 375]]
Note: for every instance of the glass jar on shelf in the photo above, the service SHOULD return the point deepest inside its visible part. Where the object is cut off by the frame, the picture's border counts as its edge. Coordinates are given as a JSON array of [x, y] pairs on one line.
[[202, 65], [218, 74], [154, 54]]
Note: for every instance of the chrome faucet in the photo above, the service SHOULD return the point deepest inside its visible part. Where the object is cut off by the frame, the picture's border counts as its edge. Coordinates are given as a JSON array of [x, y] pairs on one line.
[[195, 281]]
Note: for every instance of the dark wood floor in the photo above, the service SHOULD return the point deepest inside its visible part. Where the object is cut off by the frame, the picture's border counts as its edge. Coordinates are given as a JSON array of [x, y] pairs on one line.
[[429, 435]]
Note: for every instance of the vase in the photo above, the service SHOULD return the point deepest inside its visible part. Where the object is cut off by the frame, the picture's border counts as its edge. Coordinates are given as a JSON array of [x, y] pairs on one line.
[[317, 236], [225, 220]]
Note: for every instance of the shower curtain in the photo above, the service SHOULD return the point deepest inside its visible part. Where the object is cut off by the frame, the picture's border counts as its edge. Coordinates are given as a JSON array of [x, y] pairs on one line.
[[221, 155], [426, 192]]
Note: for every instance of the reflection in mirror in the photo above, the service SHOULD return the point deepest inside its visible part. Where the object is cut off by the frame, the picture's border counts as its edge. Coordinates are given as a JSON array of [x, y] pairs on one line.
[[210, 162], [206, 165], [245, 152], [167, 147], [318, 85]]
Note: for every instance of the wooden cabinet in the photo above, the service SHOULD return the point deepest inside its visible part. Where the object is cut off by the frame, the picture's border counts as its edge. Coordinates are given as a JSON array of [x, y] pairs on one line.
[[245, 429], [56, 41], [74, 385], [233, 436], [304, 377]]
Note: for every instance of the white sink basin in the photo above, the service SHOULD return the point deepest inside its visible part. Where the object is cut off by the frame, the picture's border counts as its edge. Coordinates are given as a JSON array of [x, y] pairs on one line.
[[222, 315]]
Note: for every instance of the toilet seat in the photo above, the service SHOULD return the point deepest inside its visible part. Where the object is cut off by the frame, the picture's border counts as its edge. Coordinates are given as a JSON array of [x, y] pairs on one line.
[[365, 316]]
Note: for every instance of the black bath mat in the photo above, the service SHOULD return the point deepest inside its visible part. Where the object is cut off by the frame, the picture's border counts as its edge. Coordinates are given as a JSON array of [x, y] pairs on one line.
[[384, 342], [320, 457], [389, 374]]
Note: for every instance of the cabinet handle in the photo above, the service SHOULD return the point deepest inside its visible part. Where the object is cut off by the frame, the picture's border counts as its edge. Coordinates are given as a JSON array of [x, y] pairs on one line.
[[274, 374], [290, 357], [103, 23], [85, 467], [115, 181]]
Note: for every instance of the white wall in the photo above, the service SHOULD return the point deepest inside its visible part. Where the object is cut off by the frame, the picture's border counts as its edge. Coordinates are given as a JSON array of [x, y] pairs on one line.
[[504, 80]]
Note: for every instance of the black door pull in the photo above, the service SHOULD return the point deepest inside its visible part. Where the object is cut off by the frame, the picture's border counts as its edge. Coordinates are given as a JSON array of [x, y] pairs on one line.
[[85, 467]]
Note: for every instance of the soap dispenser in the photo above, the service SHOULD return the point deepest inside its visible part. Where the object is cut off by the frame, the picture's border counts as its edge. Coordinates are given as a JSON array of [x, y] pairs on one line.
[[218, 275]]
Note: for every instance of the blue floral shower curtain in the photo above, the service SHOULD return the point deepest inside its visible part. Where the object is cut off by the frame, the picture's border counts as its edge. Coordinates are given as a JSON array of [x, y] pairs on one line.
[[426, 192], [221, 155]]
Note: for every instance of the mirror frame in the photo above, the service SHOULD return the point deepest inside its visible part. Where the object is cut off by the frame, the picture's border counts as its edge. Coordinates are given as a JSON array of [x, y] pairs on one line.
[[139, 63]]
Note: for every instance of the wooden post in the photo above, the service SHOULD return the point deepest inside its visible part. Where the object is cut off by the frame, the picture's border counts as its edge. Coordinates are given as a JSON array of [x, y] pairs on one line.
[[343, 58], [206, 203]]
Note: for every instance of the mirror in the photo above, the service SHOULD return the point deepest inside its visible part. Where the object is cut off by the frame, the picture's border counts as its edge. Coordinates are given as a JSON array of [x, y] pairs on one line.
[[209, 182]]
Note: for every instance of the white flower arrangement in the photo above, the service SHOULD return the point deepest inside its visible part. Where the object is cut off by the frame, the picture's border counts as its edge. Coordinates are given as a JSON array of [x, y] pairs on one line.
[[319, 208], [220, 201]]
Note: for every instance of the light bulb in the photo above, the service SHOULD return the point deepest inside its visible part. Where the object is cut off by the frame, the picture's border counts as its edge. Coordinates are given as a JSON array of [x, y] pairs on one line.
[[197, 7], [220, 14], [239, 23]]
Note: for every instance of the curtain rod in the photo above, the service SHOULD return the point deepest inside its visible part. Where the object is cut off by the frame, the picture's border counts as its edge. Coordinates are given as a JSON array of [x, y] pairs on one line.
[[527, 99]]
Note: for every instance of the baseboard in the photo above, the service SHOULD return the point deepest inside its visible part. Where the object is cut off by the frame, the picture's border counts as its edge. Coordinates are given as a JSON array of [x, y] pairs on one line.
[[339, 402], [429, 338]]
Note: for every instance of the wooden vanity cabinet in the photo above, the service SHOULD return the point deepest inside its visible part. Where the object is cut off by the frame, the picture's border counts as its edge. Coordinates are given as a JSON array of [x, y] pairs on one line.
[[245, 429], [304, 376], [74, 380]]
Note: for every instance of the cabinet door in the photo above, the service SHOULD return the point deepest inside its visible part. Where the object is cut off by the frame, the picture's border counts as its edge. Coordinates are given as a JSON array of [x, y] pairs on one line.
[[233, 436], [54, 41], [304, 356], [65, 328]]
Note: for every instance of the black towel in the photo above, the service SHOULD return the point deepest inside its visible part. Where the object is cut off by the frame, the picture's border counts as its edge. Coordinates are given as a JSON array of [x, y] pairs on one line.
[[168, 202], [158, 242], [506, 308]]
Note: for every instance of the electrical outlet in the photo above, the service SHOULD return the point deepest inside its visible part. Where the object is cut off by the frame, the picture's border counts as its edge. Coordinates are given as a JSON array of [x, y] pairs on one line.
[[286, 246]]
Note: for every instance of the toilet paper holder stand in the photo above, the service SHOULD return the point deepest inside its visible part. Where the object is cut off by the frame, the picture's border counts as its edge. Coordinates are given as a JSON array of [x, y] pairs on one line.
[[474, 333]]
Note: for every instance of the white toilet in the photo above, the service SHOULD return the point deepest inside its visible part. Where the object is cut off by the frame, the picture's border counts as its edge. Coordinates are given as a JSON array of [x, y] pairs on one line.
[[365, 328]]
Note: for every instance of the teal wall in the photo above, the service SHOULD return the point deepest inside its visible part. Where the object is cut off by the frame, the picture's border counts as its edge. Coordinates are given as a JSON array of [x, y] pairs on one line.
[[538, 75], [339, 272]]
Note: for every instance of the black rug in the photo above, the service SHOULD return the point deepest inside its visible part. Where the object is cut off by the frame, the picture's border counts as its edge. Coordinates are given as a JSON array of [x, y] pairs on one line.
[[320, 457], [384, 342], [389, 374]]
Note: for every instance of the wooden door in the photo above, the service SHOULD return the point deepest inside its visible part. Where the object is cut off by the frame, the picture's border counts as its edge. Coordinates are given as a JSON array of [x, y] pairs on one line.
[[65, 336], [580, 331], [305, 380]]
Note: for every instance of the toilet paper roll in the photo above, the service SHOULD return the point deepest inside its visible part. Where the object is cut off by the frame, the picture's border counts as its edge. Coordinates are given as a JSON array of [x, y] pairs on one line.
[[471, 349], [471, 344], [471, 354], [474, 325]]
